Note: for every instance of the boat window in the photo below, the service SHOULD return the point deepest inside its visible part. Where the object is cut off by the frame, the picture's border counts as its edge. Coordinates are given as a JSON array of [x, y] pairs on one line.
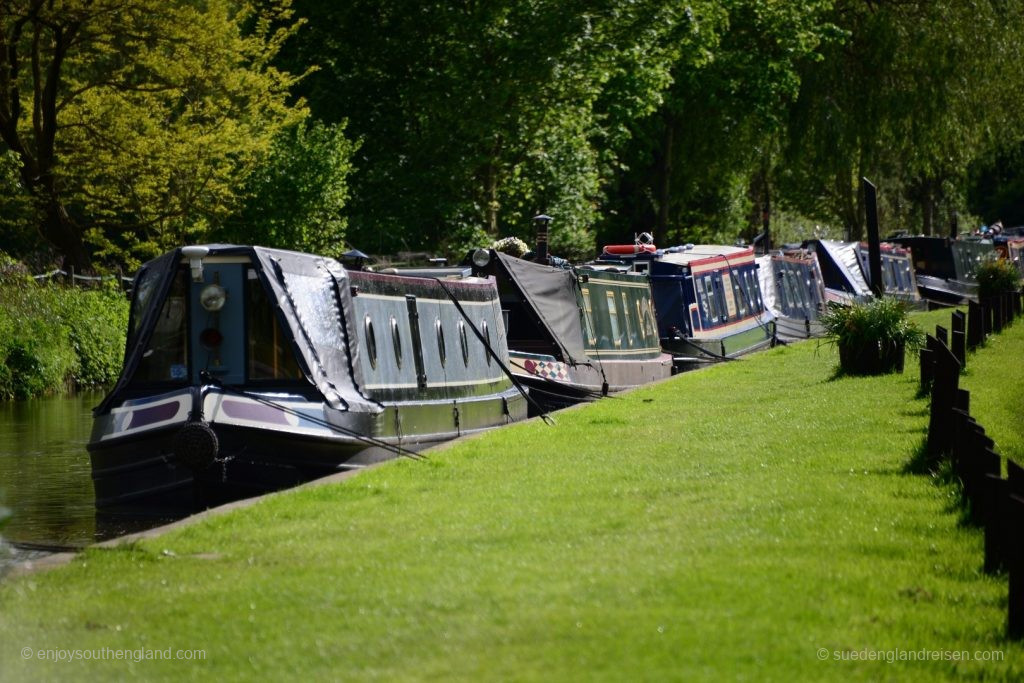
[[441, 350], [713, 300], [613, 318], [464, 341], [371, 342], [702, 294], [588, 316], [729, 294], [648, 316], [626, 315], [396, 341], [737, 293], [269, 353], [146, 285], [165, 358], [486, 331]]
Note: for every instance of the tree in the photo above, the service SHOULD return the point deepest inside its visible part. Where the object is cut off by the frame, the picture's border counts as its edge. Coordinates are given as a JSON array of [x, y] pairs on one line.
[[913, 94], [476, 116], [296, 199], [135, 120], [693, 162]]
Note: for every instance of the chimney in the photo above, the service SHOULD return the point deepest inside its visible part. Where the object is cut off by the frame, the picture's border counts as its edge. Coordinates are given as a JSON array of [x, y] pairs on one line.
[[540, 252]]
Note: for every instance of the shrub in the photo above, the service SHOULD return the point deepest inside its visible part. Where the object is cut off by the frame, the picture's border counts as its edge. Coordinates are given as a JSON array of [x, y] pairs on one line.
[[871, 336], [52, 337], [997, 276], [513, 246]]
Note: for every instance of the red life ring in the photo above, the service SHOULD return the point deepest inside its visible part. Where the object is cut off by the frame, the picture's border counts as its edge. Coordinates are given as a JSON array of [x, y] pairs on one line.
[[620, 249]]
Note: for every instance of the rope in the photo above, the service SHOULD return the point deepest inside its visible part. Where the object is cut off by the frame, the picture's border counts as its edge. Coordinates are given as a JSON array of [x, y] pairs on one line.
[[369, 440], [479, 335]]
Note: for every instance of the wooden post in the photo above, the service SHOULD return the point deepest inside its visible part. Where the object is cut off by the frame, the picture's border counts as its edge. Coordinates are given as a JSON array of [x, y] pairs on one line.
[[996, 500], [975, 328], [874, 246], [942, 335], [944, 389], [1015, 565], [927, 369], [958, 337]]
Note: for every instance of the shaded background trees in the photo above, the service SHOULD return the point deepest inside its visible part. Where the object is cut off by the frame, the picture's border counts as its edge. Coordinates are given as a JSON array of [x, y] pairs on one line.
[[396, 125]]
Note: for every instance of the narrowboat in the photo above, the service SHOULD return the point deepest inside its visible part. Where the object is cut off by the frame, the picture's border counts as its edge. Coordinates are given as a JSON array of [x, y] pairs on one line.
[[898, 279], [707, 298], [574, 334], [793, 291], [1010, 246], [946, 269], [250, 369], [841, 272], [709, 303]]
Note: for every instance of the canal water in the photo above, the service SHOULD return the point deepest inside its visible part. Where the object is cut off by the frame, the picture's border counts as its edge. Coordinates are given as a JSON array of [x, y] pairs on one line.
[[45, 479]]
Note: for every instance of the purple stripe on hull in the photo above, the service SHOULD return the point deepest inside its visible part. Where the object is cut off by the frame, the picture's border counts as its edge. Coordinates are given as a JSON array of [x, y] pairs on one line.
[[255, 412], [145, 416]]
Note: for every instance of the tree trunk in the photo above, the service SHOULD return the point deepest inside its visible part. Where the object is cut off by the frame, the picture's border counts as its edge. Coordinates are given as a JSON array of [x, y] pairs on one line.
[[60, 230], [665, 178]]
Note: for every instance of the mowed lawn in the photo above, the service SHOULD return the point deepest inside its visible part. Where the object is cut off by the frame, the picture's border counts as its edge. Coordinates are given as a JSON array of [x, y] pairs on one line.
[[751, 521]]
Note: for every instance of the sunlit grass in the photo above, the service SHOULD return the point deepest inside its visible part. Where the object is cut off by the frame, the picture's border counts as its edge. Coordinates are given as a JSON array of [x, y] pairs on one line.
[[728, 523]]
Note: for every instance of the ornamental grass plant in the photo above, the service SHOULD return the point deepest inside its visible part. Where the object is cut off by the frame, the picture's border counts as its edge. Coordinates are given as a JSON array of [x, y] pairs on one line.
[[872, 337], [996, 277]]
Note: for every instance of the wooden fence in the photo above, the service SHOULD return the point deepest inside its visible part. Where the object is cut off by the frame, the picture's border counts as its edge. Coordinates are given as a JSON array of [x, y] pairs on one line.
[[955, 437]]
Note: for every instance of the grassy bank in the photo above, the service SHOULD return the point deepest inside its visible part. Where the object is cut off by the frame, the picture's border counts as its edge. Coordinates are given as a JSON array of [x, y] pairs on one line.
[[751, 521], [54, 338]]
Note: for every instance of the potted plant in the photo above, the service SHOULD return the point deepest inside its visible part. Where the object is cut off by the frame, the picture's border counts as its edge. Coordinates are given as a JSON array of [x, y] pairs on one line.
[[997, 276], [872, 337]]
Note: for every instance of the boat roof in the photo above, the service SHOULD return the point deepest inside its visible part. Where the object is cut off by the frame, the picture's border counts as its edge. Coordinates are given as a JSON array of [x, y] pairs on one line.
[[700, 253]]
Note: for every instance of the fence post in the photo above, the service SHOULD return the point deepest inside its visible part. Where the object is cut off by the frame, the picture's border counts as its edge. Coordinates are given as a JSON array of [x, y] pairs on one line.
[[927, 369], [958, 337], [1015, 564], [996, 501], [975, 328], [944, 394], [942, 335]]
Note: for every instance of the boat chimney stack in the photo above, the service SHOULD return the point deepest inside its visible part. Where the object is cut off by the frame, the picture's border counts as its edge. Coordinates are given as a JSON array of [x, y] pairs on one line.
[[540, 252]]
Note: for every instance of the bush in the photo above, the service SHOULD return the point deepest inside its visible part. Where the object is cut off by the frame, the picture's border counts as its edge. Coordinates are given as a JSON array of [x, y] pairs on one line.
[[997, 276], [53, 338], [872, 336]]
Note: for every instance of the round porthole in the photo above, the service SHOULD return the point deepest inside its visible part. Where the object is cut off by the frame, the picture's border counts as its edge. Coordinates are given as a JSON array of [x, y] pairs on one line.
[[396, 340], [440, 341], [486, 331], [464, 342], [371, 342]]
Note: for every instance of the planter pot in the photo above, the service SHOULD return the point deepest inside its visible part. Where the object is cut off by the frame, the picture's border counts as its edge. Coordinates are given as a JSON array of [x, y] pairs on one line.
[[871, 358]]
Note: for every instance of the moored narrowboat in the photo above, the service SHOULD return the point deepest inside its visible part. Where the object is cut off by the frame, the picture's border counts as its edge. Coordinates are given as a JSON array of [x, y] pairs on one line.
[[575, 333], [841, 273], [709, 304], [793, 291], [898, 280], [946, 269], [250, 369]]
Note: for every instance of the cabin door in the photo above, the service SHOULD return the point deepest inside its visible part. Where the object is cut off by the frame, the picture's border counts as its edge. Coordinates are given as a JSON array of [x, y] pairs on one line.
[[217, 338]]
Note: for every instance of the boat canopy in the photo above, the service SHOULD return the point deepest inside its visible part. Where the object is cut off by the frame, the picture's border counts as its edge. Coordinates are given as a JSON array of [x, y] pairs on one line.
[[551, 293], [310, 297]]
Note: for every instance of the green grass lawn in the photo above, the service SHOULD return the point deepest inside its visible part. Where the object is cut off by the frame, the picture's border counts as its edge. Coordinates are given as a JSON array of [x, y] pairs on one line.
[[741, 522]]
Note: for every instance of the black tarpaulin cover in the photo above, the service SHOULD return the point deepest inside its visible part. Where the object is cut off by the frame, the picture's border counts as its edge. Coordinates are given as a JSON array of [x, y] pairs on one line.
[[551, 293], [313, 304]]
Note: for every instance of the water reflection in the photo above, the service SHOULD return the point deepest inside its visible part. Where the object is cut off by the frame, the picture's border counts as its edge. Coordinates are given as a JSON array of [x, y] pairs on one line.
[[45, 478]]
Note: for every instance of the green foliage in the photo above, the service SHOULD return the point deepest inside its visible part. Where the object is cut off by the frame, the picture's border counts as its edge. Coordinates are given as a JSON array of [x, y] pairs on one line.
[[513, 246], [996, 276], [153, 112], [52, 337], [295, 199]]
